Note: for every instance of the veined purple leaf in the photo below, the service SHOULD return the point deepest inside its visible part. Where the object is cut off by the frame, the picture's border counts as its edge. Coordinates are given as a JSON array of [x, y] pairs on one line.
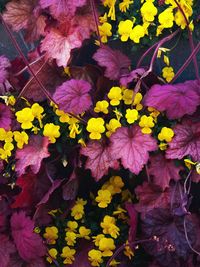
[[4, 64], [73, 96]]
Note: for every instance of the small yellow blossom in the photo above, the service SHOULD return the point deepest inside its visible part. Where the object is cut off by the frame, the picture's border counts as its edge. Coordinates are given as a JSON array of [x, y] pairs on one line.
[[84, 232], [137, 33], [77, 211], [128, 251], [5, 152], [63, 117], [124, 29], [105, 31], [96, 239], [51, 131], [115, 95], [70, 238], [106, 245], [104, 198], [21, 138], [148, 11], [109, 226], [168, 73], [146, 123], [95, 257], [163, 146], [68, 255], [101, 106], [81, 201], [189, 163], [111, 5], [137, 99], [6, 136], [103, 18], [131, 115], [25, 117], [154, 112], [52, 255], [166, 18], [128, 96], [124, 5], [117, 183], [51, 234], [112, 126], [95, 127], [37, 110], [72, 226], [166, 134]]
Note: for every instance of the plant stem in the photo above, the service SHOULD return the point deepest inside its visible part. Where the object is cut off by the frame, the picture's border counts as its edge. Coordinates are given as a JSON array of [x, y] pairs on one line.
[[96, 20], [187, 238]]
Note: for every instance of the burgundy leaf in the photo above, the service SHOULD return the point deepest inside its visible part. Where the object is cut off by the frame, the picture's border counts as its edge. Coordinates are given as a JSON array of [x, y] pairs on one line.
[[32, 154], [185, 142], [28, 243], [99, 159], [151, 196], [81, 259], [168, 230], [5, 117], [4, 64], [132, 76], [73, 96], [177, 100], [163, 170], [6, 248], [132, 147], [133, 221], [114, 61], [70, 188]]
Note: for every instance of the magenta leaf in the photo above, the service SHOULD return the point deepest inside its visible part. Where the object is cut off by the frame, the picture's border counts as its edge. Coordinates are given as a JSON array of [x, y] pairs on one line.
[[177, 100], [132, 147], [132, 76], [163, 170], [114, 61], [132, 222], [73, 96], [151, 196], [5, 117], [99, 159], [32, 155], [171, 245], [6, 248], [195, 177], [186, 141], [4, 64], [28, 243]]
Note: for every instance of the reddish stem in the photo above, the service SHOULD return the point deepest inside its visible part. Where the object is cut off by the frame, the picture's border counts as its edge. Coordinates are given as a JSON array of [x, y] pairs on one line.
[[24, 59], [145, 54], [96, 19]]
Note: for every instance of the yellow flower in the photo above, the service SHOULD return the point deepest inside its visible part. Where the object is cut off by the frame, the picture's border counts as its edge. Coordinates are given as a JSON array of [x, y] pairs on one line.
[[148, 11], [128, 96], [84, 232], [51, 131], [103, 18], [146, 123], [131, 115], [77, 211], [70, 238], [101, 106], [63, 117], [166, 18], [111, 5], [81, 201], [115, 95], [11, 100], [123, 6], [112, 126], [137, 98], [128, 251], [106, 245], [166, 134], [105, 31], [52, 255], [97, 239], [37, 110], [5, 152], [68, 255], [95, 257], [124, 29], [74, 128], [104, 198], [109, 226], [179, 18], [137, 33], [51, 234], [25, 117], [168, 73], [72, 226], [163, 146], [6, 136], [117, 183], [21, 138], [154, 112], [95, 127]]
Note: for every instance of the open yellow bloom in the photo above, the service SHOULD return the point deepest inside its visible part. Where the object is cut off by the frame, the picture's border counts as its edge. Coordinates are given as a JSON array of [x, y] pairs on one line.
[[106, 245], [137, 33], [166, 134], [115, 95], [95, 127], [148, 11], [105, 31], [52, 255], [131, 115], [168, 73], [101, 106], [51, 234], [146, 123], [109, 226], [70, 238], [77, 211], [112, 126], [84, 232], [51, 131], [21, 138], [25, 117], [68, 255], [124, 29], [95, 257], [104, 198], [166, 18]]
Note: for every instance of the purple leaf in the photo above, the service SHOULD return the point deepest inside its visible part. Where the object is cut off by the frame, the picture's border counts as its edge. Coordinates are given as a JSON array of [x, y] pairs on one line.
[[28, 243], [133, 221], [132, 147], [177, 100], [163, 170], [6, 248], [186, 141], [114, 61], [4, 64], [72, 96], [32, 154], [132, 76], [5, 117], [99, 159]]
